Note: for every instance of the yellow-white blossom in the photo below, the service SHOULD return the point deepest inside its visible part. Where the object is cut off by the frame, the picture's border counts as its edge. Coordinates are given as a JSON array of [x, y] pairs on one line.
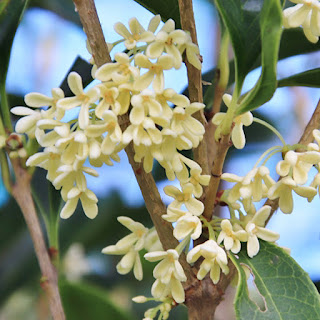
[[154, 73], [299, 164], [283, 190], [169, 274], [88, 201], [119, 72], [255, 229], [188, 224], [231, 238], [81, 99], [215, 259], [305, 13], [129, 246], [136, 34], [237, 135], [184, 197]]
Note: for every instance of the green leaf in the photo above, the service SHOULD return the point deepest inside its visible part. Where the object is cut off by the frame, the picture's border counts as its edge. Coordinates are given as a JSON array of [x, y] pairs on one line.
[[310, 78], [82, 301], [287, 291], [10, 15], [166, 8], [242, 19], [271, 29], [293, 42]]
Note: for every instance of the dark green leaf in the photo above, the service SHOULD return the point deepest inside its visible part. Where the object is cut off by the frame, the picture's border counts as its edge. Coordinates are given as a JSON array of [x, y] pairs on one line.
[[241, 18], [293, 42], [271, 29], [81, 66], [310, 78], [83, 301], [287, 291], [166, 8], [10, 15]]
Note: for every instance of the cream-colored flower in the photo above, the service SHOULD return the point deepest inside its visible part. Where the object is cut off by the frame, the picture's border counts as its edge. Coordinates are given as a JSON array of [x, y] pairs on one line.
[[88, 201], [38, 100], [189, 130], [136, 34], [168, 42], [215, 258], [306, 14], [81, 99], [237, 135], [251, 186], [283, 190], [255, 229], [154, 73], [169, 274], [231, 238], [192, 52], [299, 164], [129, 246], [119, 72], [188, 224], [184, 197]]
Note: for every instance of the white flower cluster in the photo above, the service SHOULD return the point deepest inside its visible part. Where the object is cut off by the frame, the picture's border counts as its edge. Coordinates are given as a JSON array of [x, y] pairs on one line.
[[305, 13], [156, 129]]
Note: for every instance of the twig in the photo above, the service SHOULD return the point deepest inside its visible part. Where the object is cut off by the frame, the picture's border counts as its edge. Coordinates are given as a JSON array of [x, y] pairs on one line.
[[21, 191], [92, 28], [306, 138], [211, 191], [194, 79]]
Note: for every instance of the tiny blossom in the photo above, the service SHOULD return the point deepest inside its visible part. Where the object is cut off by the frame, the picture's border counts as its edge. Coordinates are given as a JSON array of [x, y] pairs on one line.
[[283, 190], [167, 42], [299, 163], [255, 229], [306, 14], [188, 224], [129, 246], [192, 52], [231, 238], [251, 186], [88, 201], [38, 100], [136, 34], [184, 197], [81, 99], [119, 72], [168, 273], [245, 119], [215, 258], [154, 73]]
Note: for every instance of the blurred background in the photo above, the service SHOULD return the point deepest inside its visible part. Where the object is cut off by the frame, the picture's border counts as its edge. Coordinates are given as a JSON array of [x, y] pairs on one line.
[[47, 42]]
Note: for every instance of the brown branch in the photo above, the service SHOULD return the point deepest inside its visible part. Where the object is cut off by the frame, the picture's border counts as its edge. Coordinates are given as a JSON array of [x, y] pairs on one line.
[[21, 191], [306, 138], [194, 79], [222, 147], [92, 28]]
